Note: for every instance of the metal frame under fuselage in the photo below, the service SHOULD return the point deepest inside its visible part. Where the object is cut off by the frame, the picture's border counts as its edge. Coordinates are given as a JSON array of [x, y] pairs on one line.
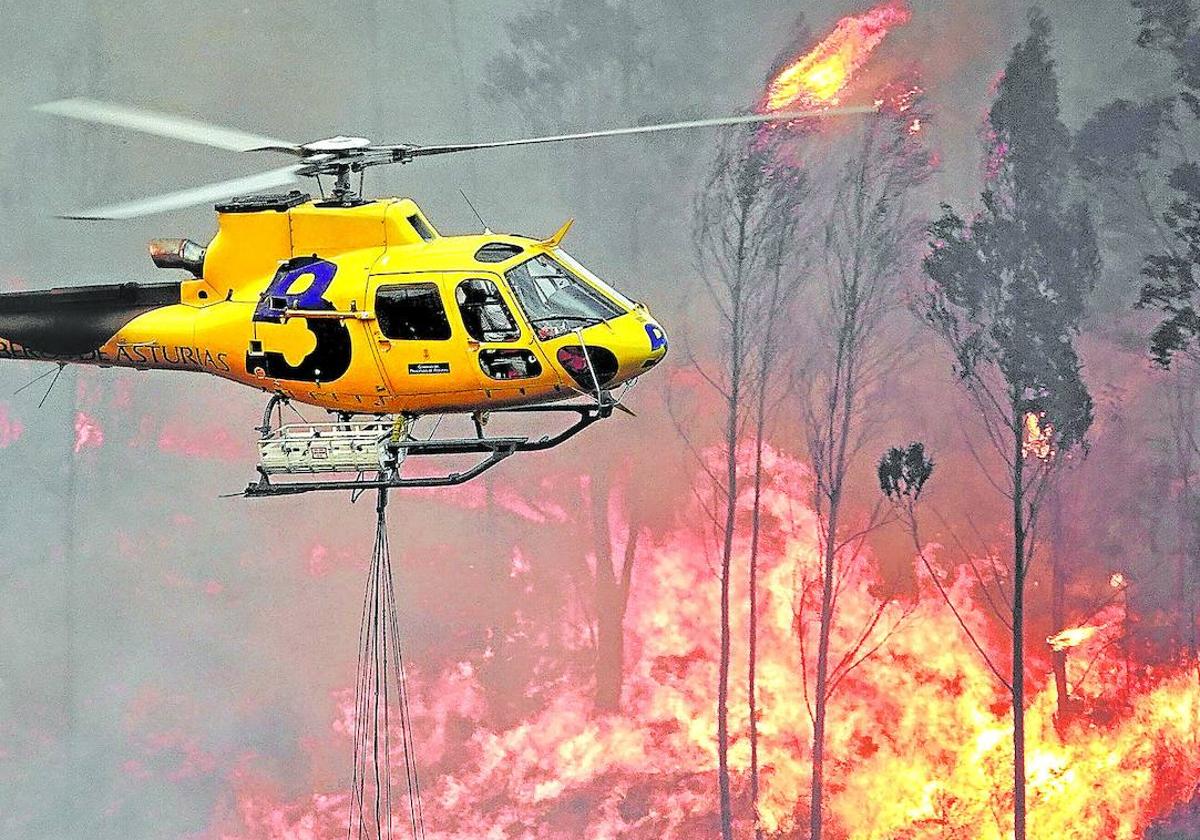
[[496, 449]]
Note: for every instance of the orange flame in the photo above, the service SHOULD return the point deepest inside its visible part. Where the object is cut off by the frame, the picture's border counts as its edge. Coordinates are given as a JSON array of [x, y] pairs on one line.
[[816, 78], [11, 428], [1072, 637], [1039, 437], [921, 732], [88, 432]]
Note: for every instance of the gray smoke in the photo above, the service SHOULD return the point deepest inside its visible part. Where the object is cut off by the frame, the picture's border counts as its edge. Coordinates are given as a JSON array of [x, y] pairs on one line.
[[155, 637]]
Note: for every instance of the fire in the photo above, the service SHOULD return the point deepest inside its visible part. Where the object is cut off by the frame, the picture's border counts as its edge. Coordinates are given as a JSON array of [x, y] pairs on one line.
[[183, 437], [920, 732], [11, 428], [1039, 437], [1072, 637], [88, 432], [816, 78]]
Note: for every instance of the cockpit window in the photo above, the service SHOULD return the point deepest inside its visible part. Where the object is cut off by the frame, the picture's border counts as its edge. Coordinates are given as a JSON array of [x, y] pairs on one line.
[[580, 270], [555, 300], [484, 312]]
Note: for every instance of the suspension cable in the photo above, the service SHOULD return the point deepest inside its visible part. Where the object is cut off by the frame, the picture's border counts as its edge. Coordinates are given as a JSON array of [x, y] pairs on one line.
[[381, 683]]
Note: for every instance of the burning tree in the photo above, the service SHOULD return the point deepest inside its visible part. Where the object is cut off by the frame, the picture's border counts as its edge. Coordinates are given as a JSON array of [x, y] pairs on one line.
[[786, 263], [611, 579], [867, 250], [745, 225], [1007, 294]]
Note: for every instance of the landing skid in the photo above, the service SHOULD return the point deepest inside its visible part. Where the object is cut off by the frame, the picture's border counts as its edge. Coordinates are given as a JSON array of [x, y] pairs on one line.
[[353, 448]]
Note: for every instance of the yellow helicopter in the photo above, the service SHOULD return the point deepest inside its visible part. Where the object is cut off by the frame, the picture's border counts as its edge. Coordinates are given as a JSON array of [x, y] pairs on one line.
[[357, 306]]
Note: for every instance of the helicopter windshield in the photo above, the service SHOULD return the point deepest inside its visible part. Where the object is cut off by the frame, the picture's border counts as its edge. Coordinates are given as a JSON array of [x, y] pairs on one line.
[[555, 300]]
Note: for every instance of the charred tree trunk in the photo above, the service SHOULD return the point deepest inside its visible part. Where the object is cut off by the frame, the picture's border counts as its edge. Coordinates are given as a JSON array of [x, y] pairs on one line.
[[610, 652], [611, 598], [816, 793], [731, 485], [755, 533], [1058, 587], [610, 641], [841, 404], [1018, 626]]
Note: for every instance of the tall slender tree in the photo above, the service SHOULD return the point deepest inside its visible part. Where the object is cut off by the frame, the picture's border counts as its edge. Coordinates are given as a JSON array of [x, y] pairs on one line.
[[869, 231], [1007, 293], [743, 222], [785, 267], [611, 578], [782, 278]]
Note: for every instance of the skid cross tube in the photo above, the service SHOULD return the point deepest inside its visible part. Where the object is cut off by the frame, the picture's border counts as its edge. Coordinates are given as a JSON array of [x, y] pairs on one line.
[[496, 449]]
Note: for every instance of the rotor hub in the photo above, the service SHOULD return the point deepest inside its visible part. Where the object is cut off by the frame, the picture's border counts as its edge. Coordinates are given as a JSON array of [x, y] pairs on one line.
[[340, 143]]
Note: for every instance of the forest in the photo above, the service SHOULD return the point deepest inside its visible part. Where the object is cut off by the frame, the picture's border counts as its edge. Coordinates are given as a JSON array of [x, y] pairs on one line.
[[902, 542]]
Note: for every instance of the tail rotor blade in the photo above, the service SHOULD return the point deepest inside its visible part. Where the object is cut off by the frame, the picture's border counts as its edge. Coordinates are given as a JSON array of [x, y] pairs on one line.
[[192, 196], [163, 125]]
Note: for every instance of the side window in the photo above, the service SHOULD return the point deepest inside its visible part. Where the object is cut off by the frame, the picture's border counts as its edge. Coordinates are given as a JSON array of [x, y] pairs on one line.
[[484, 312], [420, 227], [412, 312]]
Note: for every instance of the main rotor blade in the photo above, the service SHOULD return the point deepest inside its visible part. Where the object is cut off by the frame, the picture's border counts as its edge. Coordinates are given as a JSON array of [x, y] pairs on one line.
[[192, 196], [163, 125], [746, 119]]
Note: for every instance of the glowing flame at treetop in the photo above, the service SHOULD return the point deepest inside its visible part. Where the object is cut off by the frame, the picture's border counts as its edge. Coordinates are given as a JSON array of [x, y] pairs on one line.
[[1039, 437], [816, 78]]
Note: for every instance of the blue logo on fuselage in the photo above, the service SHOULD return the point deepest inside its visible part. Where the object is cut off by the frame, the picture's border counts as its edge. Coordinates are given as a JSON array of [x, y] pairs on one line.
[[658, 338]]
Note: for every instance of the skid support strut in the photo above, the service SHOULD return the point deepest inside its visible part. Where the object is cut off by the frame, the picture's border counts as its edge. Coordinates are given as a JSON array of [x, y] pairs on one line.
[[350, 450]]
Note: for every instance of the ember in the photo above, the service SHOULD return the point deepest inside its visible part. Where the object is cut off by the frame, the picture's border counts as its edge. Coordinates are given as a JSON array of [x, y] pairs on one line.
[[1072, 637], [1039, 437], [88, 433], [10, 428]]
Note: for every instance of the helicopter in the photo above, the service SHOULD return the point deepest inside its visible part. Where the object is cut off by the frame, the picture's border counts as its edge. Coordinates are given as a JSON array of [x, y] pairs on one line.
[[357, 306]]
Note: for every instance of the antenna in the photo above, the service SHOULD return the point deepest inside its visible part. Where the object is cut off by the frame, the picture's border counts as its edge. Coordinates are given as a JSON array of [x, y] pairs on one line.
[[53, 382], [482, 223], [57, 373], [33, 381]]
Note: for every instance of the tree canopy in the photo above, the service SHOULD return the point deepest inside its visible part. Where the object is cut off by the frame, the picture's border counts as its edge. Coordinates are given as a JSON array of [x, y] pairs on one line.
[[1009, 285]]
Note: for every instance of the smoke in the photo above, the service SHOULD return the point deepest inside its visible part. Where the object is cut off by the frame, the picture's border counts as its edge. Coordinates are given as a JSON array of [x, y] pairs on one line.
[[175, 664]]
